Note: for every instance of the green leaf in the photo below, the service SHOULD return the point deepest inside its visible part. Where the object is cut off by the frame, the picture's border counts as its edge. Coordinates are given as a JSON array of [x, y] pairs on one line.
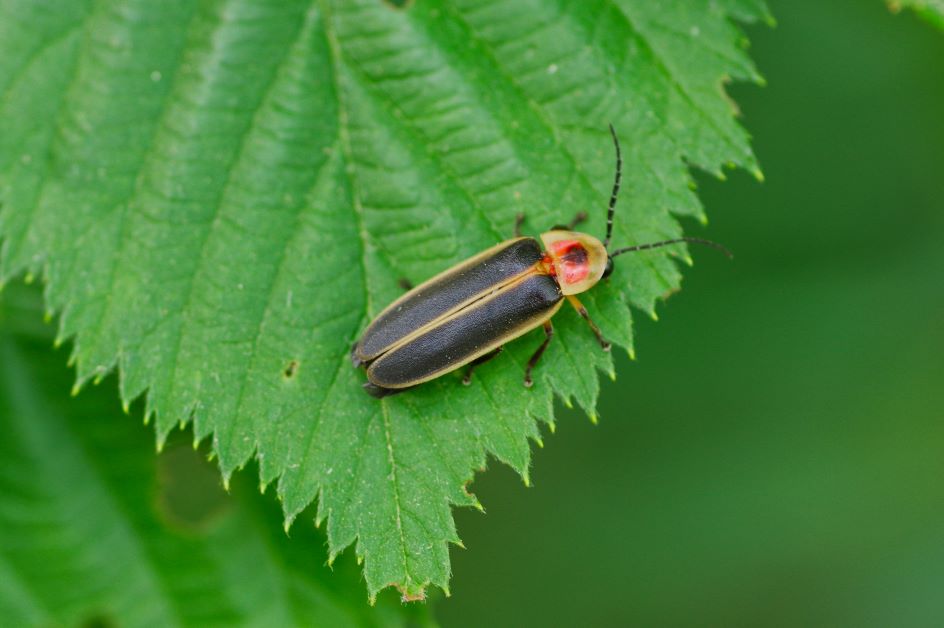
[[220, 194], [94, 529], [930, 10]]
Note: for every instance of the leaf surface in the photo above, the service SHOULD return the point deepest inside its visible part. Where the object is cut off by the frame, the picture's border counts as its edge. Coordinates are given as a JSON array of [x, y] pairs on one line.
[[219, 195]]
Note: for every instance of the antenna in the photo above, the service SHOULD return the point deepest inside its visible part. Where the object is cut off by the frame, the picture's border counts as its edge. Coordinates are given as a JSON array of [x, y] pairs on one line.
[[612, 209], [655, 245], [616, 187]]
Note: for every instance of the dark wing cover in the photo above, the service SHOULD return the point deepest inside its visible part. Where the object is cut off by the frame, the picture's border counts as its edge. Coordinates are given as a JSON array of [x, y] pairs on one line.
[[478, 328], [447, 292]]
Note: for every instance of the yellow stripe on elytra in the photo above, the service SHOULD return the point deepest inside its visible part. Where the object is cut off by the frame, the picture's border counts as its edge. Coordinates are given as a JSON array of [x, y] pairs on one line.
[[518, 330], [459, 306]]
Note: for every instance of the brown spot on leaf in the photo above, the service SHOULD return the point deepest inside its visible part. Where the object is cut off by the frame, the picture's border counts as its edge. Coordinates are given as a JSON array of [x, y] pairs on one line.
[[419, 596]]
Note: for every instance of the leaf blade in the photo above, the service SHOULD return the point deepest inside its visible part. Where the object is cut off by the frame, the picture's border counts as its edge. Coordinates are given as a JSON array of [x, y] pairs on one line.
[[247, 182]]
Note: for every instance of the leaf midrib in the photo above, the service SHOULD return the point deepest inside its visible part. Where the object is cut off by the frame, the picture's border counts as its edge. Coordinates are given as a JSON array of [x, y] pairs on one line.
[[344, 133]]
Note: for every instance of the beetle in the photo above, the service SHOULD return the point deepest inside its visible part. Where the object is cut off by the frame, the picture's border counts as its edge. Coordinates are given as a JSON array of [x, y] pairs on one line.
[[466, 314]]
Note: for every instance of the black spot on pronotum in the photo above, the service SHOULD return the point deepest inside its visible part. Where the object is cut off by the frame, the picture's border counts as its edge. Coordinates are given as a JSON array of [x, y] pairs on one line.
[[576, 255], [398, 4], [290, 369]]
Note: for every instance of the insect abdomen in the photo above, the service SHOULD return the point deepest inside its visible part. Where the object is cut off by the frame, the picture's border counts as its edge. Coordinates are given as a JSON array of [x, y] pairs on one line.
[[446, 292], [473, 331]]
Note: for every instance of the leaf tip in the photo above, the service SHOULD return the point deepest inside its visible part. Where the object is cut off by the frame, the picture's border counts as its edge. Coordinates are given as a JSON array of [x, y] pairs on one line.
[[758, 174], [29, 278], [653, 315], [76, 389], [409, 594], [594, 418]]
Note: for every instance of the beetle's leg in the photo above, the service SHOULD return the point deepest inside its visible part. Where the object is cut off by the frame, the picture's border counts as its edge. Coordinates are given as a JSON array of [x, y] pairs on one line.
[[379, 392], [405, 283], [583, 312], [548, 334], [579, 218], [519, 220], [482, 359]]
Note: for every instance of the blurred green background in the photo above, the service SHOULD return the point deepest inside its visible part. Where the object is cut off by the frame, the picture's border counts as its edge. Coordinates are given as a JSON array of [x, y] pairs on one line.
[[776, 454], [774, 457]]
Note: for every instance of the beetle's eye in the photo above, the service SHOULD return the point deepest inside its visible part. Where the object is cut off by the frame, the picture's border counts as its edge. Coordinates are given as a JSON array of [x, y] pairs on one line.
[[609, 267]]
